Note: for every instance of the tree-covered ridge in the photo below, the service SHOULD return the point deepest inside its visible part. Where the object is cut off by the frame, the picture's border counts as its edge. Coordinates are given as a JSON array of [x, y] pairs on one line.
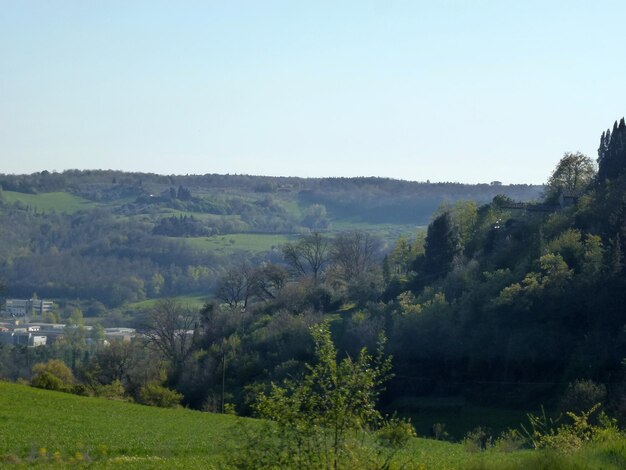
[[366, 199], [525, 304]]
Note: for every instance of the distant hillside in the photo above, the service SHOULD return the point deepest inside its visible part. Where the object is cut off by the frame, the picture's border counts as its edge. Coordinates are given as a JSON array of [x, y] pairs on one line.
[[115, 238], [368, 200]]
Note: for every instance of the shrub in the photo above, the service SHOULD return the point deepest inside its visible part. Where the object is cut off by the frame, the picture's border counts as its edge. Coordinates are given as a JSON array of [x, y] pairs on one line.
[[324, 419], [477, 439], [581, 395], [79, 389], [395, 433], [48, 381], [438, 431], [230, 409], [509, 441], [52, 375], [154, 394], [113, 391], [547, 434]]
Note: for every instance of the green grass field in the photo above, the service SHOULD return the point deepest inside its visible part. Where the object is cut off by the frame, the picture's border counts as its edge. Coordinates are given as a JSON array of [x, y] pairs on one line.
[[260, 242], [35, 424], [192, 301], [229, 244], [387, 232], [50, 202], [52, 429]]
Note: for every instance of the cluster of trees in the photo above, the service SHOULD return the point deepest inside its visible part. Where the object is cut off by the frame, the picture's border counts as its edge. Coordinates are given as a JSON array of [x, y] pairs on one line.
[[94, 255], [83, 362], [572, 175], [497, 303], [612, 152], [317, 271], [181, 226], [521, 304], [379, 200]]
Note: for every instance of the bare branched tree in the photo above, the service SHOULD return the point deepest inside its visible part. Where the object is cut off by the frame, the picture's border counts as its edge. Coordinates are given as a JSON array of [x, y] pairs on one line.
[[236, 286], [268, 280], [169, 329], [355, 252], [309, 255]]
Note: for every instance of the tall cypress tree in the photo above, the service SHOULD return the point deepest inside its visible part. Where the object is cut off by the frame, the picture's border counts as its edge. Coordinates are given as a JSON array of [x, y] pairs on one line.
[[612, 152], [442, 244]]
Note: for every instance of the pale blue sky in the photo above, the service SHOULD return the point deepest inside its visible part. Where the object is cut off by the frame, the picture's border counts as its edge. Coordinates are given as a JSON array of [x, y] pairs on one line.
[[467, 91]]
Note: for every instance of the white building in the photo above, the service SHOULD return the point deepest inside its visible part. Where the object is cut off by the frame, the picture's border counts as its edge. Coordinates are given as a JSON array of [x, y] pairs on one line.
[[21, 308], [21, 338]]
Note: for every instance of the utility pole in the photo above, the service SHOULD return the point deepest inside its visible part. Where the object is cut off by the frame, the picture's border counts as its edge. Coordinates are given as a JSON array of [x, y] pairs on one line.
[[223, 377]]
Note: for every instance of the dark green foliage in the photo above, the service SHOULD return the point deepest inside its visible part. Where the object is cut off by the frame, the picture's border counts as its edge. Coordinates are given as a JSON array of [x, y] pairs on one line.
[[323, 419], [536, 301], [612, 152], [154, 394], [184, 194], [573, 174], [582, 395], [388, 201], [183, 226], [52, 375], [93, 255], [441, 246]]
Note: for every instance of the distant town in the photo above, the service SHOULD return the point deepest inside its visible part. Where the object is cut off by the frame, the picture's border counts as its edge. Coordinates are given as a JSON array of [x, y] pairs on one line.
[[19, 329]]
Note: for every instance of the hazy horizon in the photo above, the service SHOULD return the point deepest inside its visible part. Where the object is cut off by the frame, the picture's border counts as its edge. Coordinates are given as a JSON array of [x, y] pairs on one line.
[[426, 181]]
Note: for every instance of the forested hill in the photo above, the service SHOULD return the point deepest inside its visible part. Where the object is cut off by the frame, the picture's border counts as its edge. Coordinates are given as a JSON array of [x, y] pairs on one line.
[[371, 200], [116, 237]]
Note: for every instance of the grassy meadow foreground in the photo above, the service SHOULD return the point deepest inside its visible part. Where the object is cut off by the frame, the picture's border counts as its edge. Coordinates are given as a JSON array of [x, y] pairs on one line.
[[48, 428]]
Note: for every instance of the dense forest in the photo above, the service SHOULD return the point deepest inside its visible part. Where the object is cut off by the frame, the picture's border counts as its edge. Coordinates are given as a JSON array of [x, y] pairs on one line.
[[503, 303]]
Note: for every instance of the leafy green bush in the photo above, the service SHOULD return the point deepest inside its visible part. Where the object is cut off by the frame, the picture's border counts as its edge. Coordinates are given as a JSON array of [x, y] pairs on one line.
[[509, 441], [48, 381], [478, 439], [548, 433], [79, 389], [438, 431], [52, 375], [581, 395], [113, 391], [154, 394], [324, 419]]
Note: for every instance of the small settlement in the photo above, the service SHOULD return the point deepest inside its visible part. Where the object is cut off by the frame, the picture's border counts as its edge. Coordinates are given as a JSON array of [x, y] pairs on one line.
[[17, 329]]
